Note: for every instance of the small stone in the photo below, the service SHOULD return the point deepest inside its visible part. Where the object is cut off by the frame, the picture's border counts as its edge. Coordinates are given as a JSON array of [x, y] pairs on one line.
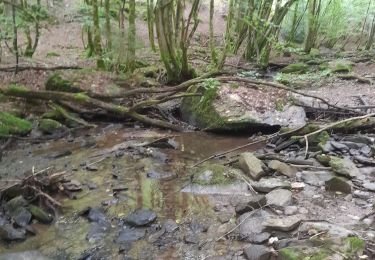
[[283, 224], [290, 210], [96, 232], [153, 237], [9, 233], [91, 168], [92, 186], [279, 198], [97, 215], [170, 226], [297, 185], [250, 203], [191, 238], [251, 165], [338, 184], [250, 227], [225, 217], [369, 186], [22, 217], [269, 184], [119, 188], [361, 194], [282, 168], [140, 217], [344, 167], [368, 221], [72, 185], [303, 211], [130, 235], [257, 252], [316, 178]]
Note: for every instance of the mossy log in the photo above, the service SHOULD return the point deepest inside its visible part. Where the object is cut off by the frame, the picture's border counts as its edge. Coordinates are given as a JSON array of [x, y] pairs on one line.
[[85, 100]]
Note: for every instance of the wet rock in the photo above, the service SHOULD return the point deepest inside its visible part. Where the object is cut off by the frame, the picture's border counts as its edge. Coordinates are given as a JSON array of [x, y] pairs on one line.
[[359, 139], [140, 217], [191, 238], [251, 228], [245, 204], [130, 235], [22, 217], [257, 252], [282, 168], [269, 184], [229, 189], [352, 145], [9, 233], [338, 184], [97, 215], [40, 215], [316, 178], [344, 167], [170, 226], [27, 255], [152, 174], [14, 204], [283, 224], [369, 186], [251, 165], [332, 229], [279, 198], [72, 185], [339, 146], [97, 231], [290, 210]]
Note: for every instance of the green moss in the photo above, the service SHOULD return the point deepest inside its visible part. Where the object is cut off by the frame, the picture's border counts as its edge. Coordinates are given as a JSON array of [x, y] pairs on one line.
[[39, 214], [214, 174], [355, 245], [52, 54], [56, 83], [323, 159], [49, 126], [12, 125], [340, 66], [15, 88], [297, 68], [289, 254], [81, 97], [321, 255]]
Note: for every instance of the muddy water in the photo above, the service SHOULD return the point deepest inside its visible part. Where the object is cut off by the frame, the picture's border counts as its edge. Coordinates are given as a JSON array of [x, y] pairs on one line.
[[109, 149]]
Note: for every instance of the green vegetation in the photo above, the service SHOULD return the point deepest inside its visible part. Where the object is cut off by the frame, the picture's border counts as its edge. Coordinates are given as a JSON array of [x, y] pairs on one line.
[[12, 125], [56, 82], [214, 174], [49, 126], [297, 68]]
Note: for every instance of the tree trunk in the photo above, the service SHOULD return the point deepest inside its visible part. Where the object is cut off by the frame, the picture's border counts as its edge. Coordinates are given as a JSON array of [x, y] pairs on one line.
[[371, 38], [97, 37], [108, 29], [131, 37], [150, 23], [15, 37], [214, 59]]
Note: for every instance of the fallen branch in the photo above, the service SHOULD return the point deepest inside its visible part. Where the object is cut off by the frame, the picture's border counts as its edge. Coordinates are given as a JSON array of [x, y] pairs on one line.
[[355, 77], [39, 68]]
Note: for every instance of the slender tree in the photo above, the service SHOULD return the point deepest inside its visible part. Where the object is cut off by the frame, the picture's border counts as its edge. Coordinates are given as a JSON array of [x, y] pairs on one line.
[[97, 36], [131, 37]]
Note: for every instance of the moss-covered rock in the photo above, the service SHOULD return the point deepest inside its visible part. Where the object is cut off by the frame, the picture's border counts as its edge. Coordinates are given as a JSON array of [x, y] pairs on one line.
[[39, 214], [297, 68], [344, 167], [56, 82], [340, 66], [12, 125], [50, 126], [214, 174]]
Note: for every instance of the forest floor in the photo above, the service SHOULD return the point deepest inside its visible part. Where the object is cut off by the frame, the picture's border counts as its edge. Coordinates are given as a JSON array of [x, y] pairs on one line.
[[118, 167]]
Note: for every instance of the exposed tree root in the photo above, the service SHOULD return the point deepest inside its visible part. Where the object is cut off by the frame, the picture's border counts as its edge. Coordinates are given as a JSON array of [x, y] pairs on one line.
[[40, 68], [360, 79]]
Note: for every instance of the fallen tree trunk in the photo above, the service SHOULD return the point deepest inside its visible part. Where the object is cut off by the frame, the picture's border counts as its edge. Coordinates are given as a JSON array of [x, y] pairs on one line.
[[85, 100], [40, 68]]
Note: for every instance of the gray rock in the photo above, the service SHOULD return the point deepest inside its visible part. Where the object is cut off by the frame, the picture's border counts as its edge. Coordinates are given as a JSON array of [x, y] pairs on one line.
[[97, 231], [290, 210], [165, 176], [332, 229], [22, 217], [97, 215], [250, 203], [224, 216], [361, 139], [338, 184], [269, 184], [251, 165], [130, 235], [279, 198], [140, 217], [282, 168], [344, 167], [257, 252], [352, 145], [239, 188], [9, 233], [153, 237], [170, 226], [283, 224], [361, 194], [316, 178], [369, 186], [339, 146], [27, 255], [191, 238], [12, 205], [251, 228]]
